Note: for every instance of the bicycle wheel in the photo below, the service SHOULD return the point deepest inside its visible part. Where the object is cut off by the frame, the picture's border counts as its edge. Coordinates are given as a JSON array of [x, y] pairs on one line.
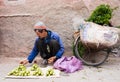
[[90, 57]]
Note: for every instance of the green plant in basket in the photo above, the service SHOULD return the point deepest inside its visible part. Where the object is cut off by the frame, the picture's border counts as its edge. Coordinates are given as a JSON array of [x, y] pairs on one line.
[[81, 49], [101, 15]]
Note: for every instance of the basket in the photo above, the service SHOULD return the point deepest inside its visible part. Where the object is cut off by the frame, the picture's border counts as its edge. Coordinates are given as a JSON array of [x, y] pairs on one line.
[[96, 36]]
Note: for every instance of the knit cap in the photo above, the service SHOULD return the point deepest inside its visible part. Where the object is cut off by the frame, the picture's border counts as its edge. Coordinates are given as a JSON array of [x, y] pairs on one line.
[[39, 25]]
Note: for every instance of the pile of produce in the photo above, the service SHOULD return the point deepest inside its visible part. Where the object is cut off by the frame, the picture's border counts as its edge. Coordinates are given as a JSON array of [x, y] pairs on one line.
[[34, 70]]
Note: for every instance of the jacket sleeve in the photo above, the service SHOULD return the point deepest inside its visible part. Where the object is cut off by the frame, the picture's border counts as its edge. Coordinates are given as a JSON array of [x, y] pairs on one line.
[[33, 53], [61, 50]]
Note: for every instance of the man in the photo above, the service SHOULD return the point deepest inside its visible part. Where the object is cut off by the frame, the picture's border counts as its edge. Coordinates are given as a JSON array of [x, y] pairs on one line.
[[48, 43]]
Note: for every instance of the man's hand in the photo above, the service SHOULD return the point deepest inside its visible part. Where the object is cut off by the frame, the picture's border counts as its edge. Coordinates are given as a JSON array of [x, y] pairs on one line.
[[51, 59], [24, 62]]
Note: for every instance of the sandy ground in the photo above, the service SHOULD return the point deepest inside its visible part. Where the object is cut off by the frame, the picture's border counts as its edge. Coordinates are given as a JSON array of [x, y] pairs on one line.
[[107, 72]]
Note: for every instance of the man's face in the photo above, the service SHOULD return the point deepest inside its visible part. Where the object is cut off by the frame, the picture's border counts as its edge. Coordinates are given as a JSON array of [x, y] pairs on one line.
[[40, 32]]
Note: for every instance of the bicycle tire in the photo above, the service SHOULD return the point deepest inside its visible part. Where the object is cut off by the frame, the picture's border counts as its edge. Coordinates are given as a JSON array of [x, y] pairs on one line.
[[92, 58]]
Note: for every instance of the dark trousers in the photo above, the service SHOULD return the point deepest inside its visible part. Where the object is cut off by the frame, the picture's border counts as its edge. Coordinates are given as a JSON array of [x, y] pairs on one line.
[[48, 50]]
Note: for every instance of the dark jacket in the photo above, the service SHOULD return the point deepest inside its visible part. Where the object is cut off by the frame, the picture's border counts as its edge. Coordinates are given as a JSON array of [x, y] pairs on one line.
[[51, 35]]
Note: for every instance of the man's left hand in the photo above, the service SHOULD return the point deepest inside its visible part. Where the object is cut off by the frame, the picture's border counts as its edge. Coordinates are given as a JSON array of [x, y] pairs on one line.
[[51, 59]]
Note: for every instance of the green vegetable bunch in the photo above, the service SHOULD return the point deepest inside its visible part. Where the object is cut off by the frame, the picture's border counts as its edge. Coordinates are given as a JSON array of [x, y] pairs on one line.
[[81, 49], [101, 15]]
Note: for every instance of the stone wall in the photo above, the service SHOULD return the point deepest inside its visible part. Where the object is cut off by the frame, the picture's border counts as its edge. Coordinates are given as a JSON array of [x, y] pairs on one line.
[[17, 21]]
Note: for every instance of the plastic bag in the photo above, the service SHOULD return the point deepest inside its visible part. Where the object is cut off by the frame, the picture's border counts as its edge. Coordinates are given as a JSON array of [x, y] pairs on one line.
[[68, 64]]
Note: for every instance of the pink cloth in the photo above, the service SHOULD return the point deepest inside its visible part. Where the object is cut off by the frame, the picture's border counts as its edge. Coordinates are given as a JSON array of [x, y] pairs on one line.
[[68, 64]]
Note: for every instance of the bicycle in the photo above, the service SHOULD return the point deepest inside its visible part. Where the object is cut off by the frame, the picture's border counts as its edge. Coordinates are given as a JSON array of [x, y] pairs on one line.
[[94, 43], [89, 56]]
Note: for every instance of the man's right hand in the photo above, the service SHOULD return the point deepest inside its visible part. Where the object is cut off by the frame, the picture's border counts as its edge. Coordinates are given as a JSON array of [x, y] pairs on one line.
[[24, 62]]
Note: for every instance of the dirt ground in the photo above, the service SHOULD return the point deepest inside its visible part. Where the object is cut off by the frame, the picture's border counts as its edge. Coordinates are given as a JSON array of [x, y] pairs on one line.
[[107, 72]]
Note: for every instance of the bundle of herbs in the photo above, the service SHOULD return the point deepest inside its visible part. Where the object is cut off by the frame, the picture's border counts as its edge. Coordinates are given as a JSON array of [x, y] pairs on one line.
[[101, 15]]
